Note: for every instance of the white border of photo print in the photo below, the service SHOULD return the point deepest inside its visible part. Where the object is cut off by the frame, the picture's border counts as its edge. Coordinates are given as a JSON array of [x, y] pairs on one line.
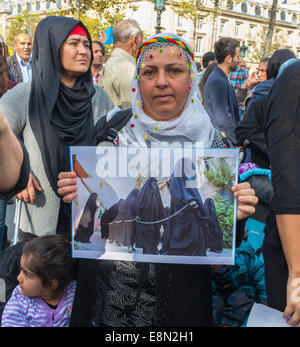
[[114, 219]]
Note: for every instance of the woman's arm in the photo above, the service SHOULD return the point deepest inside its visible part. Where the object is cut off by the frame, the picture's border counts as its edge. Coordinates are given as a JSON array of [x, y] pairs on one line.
[[288, 227], [11, 157]]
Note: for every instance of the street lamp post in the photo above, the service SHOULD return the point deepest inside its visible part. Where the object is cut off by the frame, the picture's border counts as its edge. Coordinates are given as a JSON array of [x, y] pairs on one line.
[[215, 23], [243, 49], [159, 6]]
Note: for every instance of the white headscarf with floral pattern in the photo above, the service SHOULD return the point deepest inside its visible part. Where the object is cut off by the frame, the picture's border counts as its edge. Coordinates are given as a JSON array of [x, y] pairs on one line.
[[192, 126]]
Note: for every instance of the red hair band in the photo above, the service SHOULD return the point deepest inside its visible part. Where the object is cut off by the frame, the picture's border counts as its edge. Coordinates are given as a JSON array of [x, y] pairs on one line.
[[78, 30]]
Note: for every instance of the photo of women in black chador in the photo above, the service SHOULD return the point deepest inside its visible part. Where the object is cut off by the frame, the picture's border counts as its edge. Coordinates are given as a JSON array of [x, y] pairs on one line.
[[187, 228], [150, 209], [115, 228], [85, 227], [130, 223], [108, 216], [214, 235], [166, 234]]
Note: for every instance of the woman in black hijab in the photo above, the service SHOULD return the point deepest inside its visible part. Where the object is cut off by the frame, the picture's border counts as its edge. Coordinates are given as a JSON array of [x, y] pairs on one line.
[[63, 105], [282, 238], [63, 96]]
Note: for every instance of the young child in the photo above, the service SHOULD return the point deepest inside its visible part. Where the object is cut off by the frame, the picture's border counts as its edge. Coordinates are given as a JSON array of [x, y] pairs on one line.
[[45, 294]]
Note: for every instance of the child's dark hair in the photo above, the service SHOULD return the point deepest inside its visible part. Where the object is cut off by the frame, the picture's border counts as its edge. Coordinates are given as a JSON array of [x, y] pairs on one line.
[[50, 257]]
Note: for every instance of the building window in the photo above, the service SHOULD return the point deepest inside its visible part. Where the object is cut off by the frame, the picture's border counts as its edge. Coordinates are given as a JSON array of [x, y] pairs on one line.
[[251, 32], [230, 5], [257, 10], [198, 44], [222, 27], [269, 13], [200, 24], [48, 4], [58, 3], [19, 8], [237, 30], [244, 7], [249, 50], [179, 21], [282, 15], [289, 37], [294, 17], [37, 6]]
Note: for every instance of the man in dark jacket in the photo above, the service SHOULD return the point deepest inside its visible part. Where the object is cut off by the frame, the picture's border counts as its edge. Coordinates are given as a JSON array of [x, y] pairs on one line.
[[219, 98], [20, 62]]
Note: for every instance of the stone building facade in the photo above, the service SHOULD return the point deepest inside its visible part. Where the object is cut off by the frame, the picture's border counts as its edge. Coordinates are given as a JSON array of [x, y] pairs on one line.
[[245, 20]]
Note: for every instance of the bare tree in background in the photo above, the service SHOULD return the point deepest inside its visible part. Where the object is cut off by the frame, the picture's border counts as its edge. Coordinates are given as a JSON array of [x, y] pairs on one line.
[[271, 28]]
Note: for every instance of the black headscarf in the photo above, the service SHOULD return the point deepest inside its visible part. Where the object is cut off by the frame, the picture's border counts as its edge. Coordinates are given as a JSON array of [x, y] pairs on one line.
[[59, 116]]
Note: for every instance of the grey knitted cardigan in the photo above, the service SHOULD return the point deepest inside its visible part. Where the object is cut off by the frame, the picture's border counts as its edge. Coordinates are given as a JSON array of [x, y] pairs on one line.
[[41, 217]]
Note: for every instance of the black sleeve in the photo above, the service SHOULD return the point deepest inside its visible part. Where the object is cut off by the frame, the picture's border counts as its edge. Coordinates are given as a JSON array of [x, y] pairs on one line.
[[251, 125], [85, 294], [24, 176], [283, 140]]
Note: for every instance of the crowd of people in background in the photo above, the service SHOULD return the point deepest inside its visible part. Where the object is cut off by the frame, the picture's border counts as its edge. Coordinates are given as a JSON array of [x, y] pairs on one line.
[[55, 90]]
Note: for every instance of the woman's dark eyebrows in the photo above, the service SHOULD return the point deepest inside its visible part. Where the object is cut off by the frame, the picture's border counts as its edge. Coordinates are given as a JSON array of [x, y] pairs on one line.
[[151, 66], [77, 39], [167, 65], [175, 64]]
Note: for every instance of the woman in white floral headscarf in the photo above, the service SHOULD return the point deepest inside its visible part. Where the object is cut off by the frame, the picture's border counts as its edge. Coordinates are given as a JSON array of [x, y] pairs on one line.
[[164, 109]]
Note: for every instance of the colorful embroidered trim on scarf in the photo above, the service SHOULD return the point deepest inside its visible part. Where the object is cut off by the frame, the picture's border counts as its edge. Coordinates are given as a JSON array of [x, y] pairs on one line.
[[164, 39]]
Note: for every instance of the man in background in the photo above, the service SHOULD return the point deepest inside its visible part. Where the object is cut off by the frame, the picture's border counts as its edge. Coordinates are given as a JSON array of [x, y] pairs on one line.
[[219, 98], [97, 63], [20, 62], [239, 75], [237, 79], [207, 59], [119, 69]]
